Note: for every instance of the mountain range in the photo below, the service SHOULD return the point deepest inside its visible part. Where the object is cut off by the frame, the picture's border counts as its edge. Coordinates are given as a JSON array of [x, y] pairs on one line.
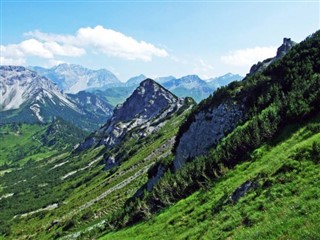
[[72, 78], [29, 97], [241, 164]]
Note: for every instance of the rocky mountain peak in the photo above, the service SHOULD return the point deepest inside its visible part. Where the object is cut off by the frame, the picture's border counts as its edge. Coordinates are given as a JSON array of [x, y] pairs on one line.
[[142, 113], [18, 85], [145, 102], [285, 47], [282, 50]]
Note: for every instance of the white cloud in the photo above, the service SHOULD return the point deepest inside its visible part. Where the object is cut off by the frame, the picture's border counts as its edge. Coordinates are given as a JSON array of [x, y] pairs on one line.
[[64, 50], [33, 47], [101, 40], [97, 40], [12, 61], [248, 57], [117, 44], [17, 54], [50, 37]]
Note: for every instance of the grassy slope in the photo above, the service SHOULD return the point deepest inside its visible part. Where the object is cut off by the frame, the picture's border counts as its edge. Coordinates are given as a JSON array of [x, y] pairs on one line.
[[284, 206], [73, 193]]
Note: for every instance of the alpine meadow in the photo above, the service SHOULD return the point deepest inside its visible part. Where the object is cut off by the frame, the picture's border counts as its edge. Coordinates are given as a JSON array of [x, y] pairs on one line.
[[208, 138]]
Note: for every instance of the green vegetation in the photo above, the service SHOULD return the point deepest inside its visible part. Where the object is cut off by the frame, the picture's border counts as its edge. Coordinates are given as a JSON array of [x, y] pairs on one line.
[[22, 142], [73, 193], [282, 204], [287, 92], [260, 181]]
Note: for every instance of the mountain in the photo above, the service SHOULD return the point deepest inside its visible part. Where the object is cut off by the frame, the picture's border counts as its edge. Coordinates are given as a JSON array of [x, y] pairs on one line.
[[281, 51], [135, 81], [29, 97], [72, 78], [255, 142], [144, 111], [115, 95], [223, 80], [84, 187], [241, 164], [191, 86], [92, 104], [162, 80]]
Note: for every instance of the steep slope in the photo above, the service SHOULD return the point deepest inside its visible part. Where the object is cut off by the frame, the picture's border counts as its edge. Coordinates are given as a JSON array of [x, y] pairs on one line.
[[273, 196], [92, 104], [281, 51], [72, 78], [20, 85], [144, 111], [29, 97], [73, 194], [286, 93], [220, 114]]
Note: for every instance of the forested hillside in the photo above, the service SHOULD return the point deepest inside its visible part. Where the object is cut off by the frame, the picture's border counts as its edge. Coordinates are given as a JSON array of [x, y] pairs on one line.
[[287, 93]]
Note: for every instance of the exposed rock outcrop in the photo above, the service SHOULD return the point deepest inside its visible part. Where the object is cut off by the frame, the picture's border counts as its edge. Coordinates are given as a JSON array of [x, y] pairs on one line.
[[206, 130], [242, 190], [281, 51], [144, 112]]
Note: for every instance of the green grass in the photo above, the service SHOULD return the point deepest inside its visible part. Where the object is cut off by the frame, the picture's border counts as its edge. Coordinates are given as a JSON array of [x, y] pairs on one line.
[[39, 184], [283, 206]]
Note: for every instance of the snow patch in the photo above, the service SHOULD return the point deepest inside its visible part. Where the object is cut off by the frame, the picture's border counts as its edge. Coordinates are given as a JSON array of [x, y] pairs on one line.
[[35, 108]]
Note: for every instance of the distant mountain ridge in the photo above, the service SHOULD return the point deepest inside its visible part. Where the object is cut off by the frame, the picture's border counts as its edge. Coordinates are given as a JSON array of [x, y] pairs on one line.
[[28, 97], [72, 78], [223, 80]]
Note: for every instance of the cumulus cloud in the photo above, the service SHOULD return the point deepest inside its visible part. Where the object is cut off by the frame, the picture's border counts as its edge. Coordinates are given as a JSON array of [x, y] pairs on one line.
[[117, 44], [99, 40], [17, 54], [50, 37], [249, 56]]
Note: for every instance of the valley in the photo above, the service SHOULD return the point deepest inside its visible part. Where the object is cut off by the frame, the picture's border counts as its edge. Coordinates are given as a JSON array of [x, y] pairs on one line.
[[85, 156]]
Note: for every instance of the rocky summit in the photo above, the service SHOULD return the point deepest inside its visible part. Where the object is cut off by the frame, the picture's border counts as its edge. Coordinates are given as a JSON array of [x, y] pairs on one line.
[[144, 112], [281, 51], [26, 96]]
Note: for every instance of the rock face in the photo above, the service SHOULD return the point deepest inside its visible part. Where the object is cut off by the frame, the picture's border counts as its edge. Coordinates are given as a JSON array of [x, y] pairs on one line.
[[19, 85], [144, 111], [92, 103], [206, 130], [282, 50], [285, 47], [242, 190], [25, 96]]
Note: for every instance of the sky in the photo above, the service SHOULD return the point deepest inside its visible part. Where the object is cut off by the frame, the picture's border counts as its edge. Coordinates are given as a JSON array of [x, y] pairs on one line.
[[154, 38]]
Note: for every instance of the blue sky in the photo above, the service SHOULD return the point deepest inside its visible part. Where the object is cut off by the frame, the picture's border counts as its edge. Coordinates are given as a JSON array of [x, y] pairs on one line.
[[155, 38]]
